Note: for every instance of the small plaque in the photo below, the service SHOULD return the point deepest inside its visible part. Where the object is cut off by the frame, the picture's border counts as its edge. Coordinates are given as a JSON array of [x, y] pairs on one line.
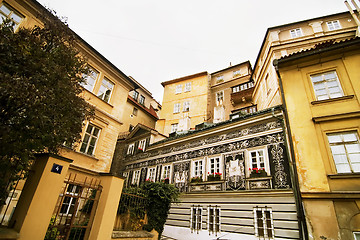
[[56, 168]]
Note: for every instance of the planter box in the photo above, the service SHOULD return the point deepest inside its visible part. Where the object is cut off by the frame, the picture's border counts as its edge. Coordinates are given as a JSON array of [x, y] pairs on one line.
[[258, 175]]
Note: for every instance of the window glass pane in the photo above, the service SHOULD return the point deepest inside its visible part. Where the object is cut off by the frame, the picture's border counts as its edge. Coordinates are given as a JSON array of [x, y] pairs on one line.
[[338, 149], [343, 168], [334, 138], [349, 137], [16, 17], [340, 159], [352, 148], [5, 10]]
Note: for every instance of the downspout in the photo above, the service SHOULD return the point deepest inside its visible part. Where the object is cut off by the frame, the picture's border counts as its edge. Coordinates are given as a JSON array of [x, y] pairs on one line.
[[293, 172]]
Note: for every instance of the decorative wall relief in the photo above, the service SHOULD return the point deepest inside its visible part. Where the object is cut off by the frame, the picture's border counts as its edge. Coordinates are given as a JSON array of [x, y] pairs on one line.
[[279, 166], [235, 171], [181, 175]]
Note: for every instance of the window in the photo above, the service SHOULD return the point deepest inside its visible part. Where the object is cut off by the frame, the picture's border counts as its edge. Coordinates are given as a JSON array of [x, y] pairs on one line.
[[7, 12], [178, 89], [130, 149], [176, 107], [196, 218], [356, 235], [295, 33], [326, 85], [131, 127], [257, 159], [142, 144], [198, 168], [105, 90], [345, 149], [213, 219], [219, 98], [333, 25], [219, 78], [90, 80], [214, 165], [187, 87], [142, 100], [174, 127], [136, 177], [236, 73], [236, 89], [186, 106], [166, 171], [242, 87], [264, 226], [135, 95], [71, 196], [90, 138], [135, 111], [151, 174]]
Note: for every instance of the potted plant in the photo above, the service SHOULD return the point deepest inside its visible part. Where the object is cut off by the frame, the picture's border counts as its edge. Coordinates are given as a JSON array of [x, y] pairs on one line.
[[257, 172], [214, 176], [196, 179]]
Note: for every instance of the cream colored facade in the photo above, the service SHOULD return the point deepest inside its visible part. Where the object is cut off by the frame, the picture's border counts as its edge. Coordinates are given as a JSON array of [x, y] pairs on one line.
[[185, 103]]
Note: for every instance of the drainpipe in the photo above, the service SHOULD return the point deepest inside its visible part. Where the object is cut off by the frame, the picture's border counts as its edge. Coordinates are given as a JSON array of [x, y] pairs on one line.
[[355, 17], [293, 172]]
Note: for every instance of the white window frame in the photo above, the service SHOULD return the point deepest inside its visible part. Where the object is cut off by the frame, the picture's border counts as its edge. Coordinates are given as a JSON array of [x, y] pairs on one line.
[[327, 85], [90, 79], [215, 219], [106, 90], [333, 25], [136, 177], [89, 136], [356, 235], [151, 174], [258, 160], [72, 193], [178, 89], [186, 106], [216, 167], [10, 15], [348, 146], [236, 89], [236, 73], [135, 95], [177, 107], [142, 145], [198, 168], [142, 100], [220, 78], [196, 218], [187, 87], [130, 149], [174, 127], [264, 223], [296, 33], [219, 98], [166, 172]]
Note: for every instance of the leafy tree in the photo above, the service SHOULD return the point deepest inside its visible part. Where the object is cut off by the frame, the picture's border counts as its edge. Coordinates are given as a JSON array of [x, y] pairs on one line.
[[40, 107]]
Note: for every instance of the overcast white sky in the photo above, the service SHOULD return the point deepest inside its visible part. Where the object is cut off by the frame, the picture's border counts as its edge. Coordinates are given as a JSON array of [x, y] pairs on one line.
[[159, 40]]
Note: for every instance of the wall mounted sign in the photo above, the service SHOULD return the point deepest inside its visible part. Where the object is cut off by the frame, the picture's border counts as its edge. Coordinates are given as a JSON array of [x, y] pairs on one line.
[[56, 168]]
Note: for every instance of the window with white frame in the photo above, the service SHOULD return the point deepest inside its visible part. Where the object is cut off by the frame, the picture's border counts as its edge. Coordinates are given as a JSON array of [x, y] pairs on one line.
[[178, 88], [187, 87], [142, 100], [198, 168], [176, 107], [90, 79], [219, 98], [196, 218], [345, 149], [220, 78], [105, 90], [186, 106], [263, 223], [136, 177], [69, 201], [214, 165], [236, 73], [174, 127], [135, 95], [257, 159], [333, 25], [214, 219], [90, 139], [166, 171], [356, 235], [142, 145], [7, 12], [130, 149], [151, 174], [326, 85], [295, 33]]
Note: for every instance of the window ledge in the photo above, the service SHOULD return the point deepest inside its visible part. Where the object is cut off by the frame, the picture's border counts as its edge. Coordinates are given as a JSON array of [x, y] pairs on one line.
[[98, 97], [344, 175], [332, 99], [87, 155]]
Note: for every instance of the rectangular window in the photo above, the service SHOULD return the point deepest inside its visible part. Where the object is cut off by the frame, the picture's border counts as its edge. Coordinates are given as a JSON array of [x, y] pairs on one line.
[[178, 89], [345, 149], [142, 100], [264, 226], [257, 159], [236, 73], [70, 199], [142, 144], [135, 95], [130, 149], [186, 106], [7, 12], [333, 25], [236, 89], [151, 174], [219, 98], [176, 107], [105, 90], [326, 85], [198, 168], [187, 87], [90, 138], [295, 33], [356, 235], [214, 165], [213, 219], [196, 218], [166, 171], [90, 79], [136, 177], [135, 111], [174, 127], [219, 78]]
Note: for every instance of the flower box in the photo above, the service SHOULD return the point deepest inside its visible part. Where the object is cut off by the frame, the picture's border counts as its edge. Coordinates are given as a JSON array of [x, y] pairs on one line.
[[214, 176], [196, 180], [257, 172]]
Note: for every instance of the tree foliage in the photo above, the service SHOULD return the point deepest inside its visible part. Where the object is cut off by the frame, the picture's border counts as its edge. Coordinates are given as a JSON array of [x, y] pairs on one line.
[[40, 106]]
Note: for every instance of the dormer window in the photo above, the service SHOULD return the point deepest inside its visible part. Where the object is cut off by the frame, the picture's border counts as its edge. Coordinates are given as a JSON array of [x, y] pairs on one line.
[[142, 144], [135, 95], [219, 78], [142, 100], [130, 150], [295, 33], [333, 25], [236, 73]]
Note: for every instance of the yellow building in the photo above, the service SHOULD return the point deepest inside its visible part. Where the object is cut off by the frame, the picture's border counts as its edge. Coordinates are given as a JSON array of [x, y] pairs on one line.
[[185, 103]]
